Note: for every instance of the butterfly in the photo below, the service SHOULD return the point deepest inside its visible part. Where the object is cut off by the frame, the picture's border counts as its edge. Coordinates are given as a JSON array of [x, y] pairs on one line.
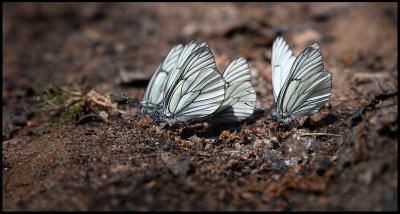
[[155, 91], [301, 85], [191, 89], [154, 94], [240, 96]]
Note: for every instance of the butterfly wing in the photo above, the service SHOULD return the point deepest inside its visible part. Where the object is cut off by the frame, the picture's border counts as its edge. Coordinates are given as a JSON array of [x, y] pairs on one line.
[[198, 91], [239, 102], [240, 96], [154, 94], [281, 62], [307, 88], [177, 70], [237, 71]]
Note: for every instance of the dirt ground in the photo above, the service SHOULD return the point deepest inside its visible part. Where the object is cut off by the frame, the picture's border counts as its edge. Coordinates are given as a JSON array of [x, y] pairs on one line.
[[342, 158]]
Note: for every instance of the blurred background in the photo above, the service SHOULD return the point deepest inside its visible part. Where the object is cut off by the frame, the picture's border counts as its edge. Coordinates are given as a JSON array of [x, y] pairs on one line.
[[63, 42]]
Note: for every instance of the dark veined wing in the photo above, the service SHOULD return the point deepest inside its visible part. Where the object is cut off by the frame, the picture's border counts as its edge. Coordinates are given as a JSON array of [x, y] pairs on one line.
[[154, 94], [307, 88], [240, 96], [188, 49], [197, 93], [281, 62], [319, 96], [237, 71], [239, 102]]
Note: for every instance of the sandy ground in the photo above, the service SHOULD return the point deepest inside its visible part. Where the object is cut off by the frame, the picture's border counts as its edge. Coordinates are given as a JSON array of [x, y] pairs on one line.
[[129, 163]]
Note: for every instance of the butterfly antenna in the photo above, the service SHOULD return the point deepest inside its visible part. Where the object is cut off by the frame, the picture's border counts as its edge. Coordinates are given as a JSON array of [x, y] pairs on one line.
[[253, 106], [249, 92], [127, 102], [266, 98], [262, 110], [130, 99]]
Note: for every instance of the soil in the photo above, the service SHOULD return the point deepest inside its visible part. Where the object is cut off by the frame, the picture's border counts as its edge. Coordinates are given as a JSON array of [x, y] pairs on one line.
[[345, 157]]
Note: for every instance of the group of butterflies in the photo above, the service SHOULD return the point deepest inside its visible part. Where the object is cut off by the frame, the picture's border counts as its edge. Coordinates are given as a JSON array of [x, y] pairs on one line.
[[188, 87]]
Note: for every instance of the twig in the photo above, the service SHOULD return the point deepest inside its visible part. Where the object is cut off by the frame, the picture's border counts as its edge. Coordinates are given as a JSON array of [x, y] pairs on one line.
[[319, 133], [357, 116], [92, 115], [202, 154]]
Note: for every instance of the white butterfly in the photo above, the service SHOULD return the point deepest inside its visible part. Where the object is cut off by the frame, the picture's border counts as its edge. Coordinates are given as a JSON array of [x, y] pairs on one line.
[[196, 90], [164, 76], [301, 86], [186, 87], [240, 96]]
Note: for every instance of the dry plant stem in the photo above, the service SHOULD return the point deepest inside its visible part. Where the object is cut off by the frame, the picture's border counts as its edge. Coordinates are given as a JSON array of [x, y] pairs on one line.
[[313, 134]]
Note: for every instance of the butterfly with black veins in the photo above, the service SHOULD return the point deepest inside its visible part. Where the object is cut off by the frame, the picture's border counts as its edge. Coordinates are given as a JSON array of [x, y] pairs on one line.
[[301, 85], [196, 92], [192, 90], [240, 96], [162, 79]]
